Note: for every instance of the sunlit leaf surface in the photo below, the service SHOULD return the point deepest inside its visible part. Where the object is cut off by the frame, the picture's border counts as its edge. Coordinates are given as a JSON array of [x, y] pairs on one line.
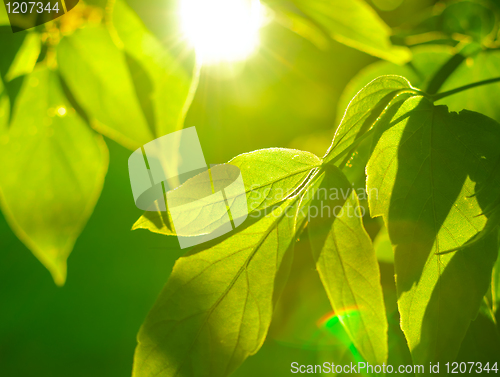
[[53, 168], [364, 110], [171, 84], [216, 308], [269, 175], [353, 23], [97, 75]]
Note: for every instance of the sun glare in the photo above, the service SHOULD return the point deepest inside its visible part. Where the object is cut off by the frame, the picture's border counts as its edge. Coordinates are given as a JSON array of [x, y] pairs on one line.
[[221, 30]]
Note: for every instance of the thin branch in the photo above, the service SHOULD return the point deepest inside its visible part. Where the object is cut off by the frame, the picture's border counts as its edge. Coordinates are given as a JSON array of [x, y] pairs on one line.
[[439, 96]]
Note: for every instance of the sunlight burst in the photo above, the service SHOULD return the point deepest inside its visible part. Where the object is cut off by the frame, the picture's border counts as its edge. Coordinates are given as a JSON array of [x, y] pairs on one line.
[[222, 30]]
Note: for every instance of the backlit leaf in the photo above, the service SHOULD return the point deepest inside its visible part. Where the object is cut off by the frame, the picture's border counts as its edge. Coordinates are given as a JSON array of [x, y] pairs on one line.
[[270, 175], [216, 308], [364, 111], [97, 75], [353, 23], [53, 169], [170, 81]]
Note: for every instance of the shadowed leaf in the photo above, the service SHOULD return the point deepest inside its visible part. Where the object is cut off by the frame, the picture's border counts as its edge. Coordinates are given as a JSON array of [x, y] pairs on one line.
[[348, 266], [433, 172]]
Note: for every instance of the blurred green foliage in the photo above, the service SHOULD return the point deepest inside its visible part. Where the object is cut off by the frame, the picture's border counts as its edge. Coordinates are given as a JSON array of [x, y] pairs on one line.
[[118, 73]]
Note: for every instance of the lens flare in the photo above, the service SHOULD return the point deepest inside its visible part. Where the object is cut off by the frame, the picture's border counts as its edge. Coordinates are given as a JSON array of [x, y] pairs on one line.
[[222, 30], [332, 323]]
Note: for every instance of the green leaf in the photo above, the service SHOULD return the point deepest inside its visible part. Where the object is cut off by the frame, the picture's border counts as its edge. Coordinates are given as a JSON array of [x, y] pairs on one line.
[[364, 111], [97, 75], [348, 266], [53, 168], [300, 25], [355, 24], [26, 57], [430, 176], [426, 61], [270, 175], [303, 317], [172, 92], [216, 308], [483, 99]]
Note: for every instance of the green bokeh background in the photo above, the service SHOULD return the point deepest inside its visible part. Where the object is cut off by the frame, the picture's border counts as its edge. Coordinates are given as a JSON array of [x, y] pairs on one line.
[[284, 96]]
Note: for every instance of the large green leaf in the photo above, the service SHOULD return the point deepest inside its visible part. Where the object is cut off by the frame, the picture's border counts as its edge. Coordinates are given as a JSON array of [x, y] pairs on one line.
[[53, 168], [483, 99], [171, 94], [97, 75], [430, 176], [426, 61], [217, 306], [353, 23], [347, 265], [364, 111], [269, 175]]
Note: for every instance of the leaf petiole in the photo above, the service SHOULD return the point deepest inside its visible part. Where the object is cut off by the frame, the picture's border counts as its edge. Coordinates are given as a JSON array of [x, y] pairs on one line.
[[437, 97]]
